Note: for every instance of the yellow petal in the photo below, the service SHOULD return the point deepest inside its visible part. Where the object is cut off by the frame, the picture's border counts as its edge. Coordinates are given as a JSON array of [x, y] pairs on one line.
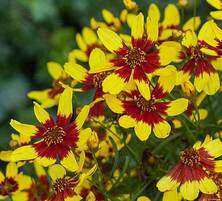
[[24, 181], [65, 103], [162, 129], [74, 198], [143, 198], [215, 3], [77, 54], [55, 69], [166, 184], [165, 57], [177, 106], [80, 119], [23, 153], [80, 42], [84, 135], [203, 114], [56, 171], [154, 11], [190, 39], [190, 190], [82, 159], [207, 186], [69, 162], [216, 15], [18, 196], [89, 36], [130, 19], [11, 170], [44, 161], [142, 130], [98, 62], [137, 28], [189, 24], [113, 84], [40, 171], [208, 52], [25, 129], [152, 28], [171, 16], [76, 71], [108, 16], [126, 121], [2, 177], [214, 147], [110, 39], [5, 156], [114, 103], [217, 64], [41, 114], [171, 195], [39, 96]]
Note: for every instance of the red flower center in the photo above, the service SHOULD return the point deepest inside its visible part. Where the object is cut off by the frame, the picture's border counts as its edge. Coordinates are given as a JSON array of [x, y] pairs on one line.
[[217, 178], [98, 79], [135, 57], [8, 186], [65, 183], [145, 105], [190, 157], [54, 135]]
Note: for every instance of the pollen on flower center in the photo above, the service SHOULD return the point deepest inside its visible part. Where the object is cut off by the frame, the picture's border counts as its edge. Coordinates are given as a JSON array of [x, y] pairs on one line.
[[61, 184], [190, 157], [135, 57], [54, 135], [9, 185], [195, 53], [145, 105], [98, 79]]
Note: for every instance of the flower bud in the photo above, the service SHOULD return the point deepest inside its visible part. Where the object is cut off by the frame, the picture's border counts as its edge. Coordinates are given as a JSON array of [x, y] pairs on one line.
[[182, 2], [93, 141], [130, 5], [188, 89]]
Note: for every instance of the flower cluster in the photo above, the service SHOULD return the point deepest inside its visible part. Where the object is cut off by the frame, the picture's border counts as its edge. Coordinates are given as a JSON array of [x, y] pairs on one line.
[[145, 77]]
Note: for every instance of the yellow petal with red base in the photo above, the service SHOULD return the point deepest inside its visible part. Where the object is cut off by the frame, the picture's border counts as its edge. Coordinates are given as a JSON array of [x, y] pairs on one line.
[[41, 114], [76, 71], [80, 42], [44, 161], [65, 103], [89, 36], [137, 28], [56, 171], [162, 129], [171, 16], [54, 69], [110, 39], [177, 106], [189, 24], [11, 170], [166, 183], [25, 129], [113, 84], [114, 103], [143, 88], [207, 186], [127, 122], [80, 119], [23, 153], [142, 130], [69, 162], [190, 190]]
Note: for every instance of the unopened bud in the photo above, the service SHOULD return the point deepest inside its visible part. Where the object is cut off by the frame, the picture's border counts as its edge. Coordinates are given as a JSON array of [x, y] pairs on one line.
[[183, 2], [93, 141], [130, 5], [188, 89], [13, 143]]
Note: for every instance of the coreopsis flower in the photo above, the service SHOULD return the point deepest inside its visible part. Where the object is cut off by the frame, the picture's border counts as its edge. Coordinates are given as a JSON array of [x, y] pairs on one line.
[[50, 97], [146, 115], [192, 173], [202, 56], [14, 183], [92, 79], [64, 186], [218, 5], [54, 138], [170, 27], [86, 42], [110, 21], [139, 59]]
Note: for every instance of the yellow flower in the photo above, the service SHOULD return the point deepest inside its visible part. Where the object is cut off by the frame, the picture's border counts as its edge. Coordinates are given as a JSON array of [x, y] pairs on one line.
[[50, 97], [218, 5]]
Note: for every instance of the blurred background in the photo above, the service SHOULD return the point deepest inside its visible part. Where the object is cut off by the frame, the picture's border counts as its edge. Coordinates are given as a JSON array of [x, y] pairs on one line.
[[33, 32]]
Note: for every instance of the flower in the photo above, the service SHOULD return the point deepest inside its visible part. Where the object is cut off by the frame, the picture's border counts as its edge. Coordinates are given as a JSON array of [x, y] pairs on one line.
[[64, 186], [218, 5], [14, 183], [202, 56], [143, 198], [54, 139], [137, 60], [92, 79], [146, 115], [191, 174], [50, 97]]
